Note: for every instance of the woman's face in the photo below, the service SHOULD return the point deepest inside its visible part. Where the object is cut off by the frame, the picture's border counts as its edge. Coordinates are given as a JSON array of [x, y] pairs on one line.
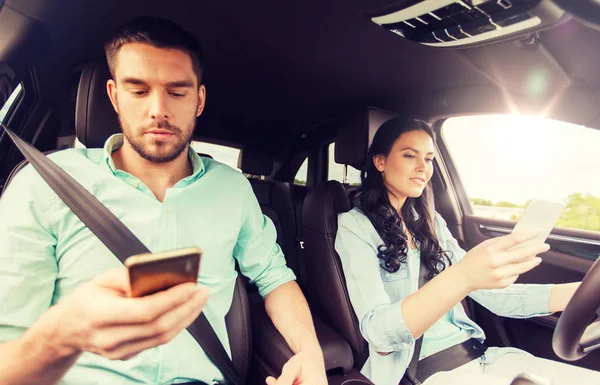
[[409, 166]]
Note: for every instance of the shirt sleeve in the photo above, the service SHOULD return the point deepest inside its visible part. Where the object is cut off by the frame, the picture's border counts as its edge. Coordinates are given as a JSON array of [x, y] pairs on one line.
[[514, 301], [28, 267], [259, 256], [381, 322]]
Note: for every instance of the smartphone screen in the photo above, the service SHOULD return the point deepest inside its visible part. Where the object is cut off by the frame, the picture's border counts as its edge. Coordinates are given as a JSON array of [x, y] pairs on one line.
[[539, 215], [153, 272]]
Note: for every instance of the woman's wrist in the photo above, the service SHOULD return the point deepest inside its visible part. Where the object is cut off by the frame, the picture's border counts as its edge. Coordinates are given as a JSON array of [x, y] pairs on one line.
[[461, 278]]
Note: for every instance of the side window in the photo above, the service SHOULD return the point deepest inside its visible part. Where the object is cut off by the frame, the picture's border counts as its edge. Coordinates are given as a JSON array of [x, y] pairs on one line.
[[224, 154], [336, 171], [506, 160], [302, 174], [10, 102]]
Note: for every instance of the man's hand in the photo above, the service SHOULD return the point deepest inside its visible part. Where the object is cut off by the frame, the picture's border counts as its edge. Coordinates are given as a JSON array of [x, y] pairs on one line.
[[99, 317], [302, 369]]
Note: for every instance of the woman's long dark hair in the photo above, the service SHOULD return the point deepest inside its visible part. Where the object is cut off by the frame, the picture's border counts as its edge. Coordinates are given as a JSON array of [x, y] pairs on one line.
[[373, 200]]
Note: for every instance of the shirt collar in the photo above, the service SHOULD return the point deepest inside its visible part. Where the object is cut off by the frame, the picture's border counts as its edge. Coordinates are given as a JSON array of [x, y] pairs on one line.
[[114, 142]]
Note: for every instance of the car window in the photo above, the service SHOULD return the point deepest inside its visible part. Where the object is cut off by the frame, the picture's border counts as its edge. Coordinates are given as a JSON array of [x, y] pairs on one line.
[[224, 154], [336, 171], [302, 174], [506, 160], [10, 102]]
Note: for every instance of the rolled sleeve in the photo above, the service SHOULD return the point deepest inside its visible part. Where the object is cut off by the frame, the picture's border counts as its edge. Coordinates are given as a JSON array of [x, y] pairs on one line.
[[516, 300], [385, 330], [259, 256], [381, 321]]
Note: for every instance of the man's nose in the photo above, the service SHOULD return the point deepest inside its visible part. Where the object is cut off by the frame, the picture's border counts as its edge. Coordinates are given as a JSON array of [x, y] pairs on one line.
[[158, 107]]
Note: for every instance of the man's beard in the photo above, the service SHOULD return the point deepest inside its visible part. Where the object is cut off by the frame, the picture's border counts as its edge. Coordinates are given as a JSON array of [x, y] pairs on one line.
[[160, 152]]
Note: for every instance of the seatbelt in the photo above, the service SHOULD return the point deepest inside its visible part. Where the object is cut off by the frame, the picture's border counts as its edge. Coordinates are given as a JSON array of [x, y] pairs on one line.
[[410, 376], [118, 239], [298, 216], [299, 239]]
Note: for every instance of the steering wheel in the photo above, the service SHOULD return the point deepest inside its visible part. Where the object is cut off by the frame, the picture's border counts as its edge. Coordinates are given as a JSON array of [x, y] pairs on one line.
[[586, 11], [574, 336]]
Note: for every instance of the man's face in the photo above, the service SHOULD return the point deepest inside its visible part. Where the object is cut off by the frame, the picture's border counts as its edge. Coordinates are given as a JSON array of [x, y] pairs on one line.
[[156, 95]]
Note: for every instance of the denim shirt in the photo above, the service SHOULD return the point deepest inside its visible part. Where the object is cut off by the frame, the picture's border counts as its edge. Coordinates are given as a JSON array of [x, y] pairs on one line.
[[376, 296]]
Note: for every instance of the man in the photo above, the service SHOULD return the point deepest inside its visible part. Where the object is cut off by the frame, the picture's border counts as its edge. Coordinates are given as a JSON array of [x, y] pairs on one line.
[[64, 312]]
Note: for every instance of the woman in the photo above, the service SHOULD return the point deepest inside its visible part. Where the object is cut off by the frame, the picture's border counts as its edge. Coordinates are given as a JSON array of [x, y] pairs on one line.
[[381, 242]]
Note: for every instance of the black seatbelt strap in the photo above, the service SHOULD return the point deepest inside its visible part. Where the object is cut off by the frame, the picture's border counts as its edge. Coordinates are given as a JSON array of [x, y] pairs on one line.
[[300, 265], [298, 216], [410, 376], [118, 239]]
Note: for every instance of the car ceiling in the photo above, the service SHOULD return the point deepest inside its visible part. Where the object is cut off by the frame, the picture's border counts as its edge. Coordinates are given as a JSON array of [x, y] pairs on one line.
[[275, 68]]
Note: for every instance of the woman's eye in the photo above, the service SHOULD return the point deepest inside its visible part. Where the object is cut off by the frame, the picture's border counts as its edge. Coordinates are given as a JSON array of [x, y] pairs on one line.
[[177, 94], [429, 160], [138, 93], [409, 156]]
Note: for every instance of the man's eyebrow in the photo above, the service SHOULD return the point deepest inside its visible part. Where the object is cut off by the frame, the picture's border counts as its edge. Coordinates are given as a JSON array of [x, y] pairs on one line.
[[174, 84], [415, 150], [134, 81], [180, 84]]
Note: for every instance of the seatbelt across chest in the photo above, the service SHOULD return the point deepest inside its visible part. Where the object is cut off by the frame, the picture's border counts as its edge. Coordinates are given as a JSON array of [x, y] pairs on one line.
[[118, 239]]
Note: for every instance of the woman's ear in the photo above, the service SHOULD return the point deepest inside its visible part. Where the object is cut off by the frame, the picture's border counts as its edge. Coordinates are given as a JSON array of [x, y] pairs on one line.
[[379, 162]]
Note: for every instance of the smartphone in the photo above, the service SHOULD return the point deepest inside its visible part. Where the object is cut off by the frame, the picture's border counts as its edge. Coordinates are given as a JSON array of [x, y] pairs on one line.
[[539, 215], [150, 273]]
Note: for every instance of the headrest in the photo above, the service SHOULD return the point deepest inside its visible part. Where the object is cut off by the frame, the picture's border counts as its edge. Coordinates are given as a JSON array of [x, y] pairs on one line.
[[255, 162], [95, 117], [322, 205], [356, 134]]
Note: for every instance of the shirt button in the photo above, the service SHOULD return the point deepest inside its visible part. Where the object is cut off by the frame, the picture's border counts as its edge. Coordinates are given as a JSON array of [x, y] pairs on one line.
[[170, 210], [404, 344]]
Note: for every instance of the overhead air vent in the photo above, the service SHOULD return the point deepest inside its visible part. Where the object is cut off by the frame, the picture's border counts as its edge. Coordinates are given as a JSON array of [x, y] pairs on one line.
[[451, 23]]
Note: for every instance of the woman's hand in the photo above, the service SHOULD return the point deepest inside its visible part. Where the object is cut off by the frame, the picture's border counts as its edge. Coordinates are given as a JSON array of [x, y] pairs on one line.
[[496, 263]]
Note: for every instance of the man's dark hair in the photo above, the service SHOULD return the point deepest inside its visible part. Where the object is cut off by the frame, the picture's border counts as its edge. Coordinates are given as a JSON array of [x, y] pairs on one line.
[[159, 33]]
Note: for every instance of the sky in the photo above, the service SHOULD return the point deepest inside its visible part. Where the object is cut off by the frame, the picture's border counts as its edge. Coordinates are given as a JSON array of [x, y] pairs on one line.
[[516, 158]]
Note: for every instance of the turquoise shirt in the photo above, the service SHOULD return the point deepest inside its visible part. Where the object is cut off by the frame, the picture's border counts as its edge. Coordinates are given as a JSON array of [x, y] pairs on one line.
[[46, 252], [443, 334], [377, 295]]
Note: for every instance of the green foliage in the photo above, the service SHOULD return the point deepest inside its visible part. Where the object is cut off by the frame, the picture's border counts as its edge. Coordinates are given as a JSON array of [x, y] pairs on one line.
[[508, 204], [481, 202], [581, 211]]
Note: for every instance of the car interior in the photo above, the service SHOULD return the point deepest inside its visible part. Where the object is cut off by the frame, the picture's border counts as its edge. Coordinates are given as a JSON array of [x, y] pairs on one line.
[[284, 81]]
